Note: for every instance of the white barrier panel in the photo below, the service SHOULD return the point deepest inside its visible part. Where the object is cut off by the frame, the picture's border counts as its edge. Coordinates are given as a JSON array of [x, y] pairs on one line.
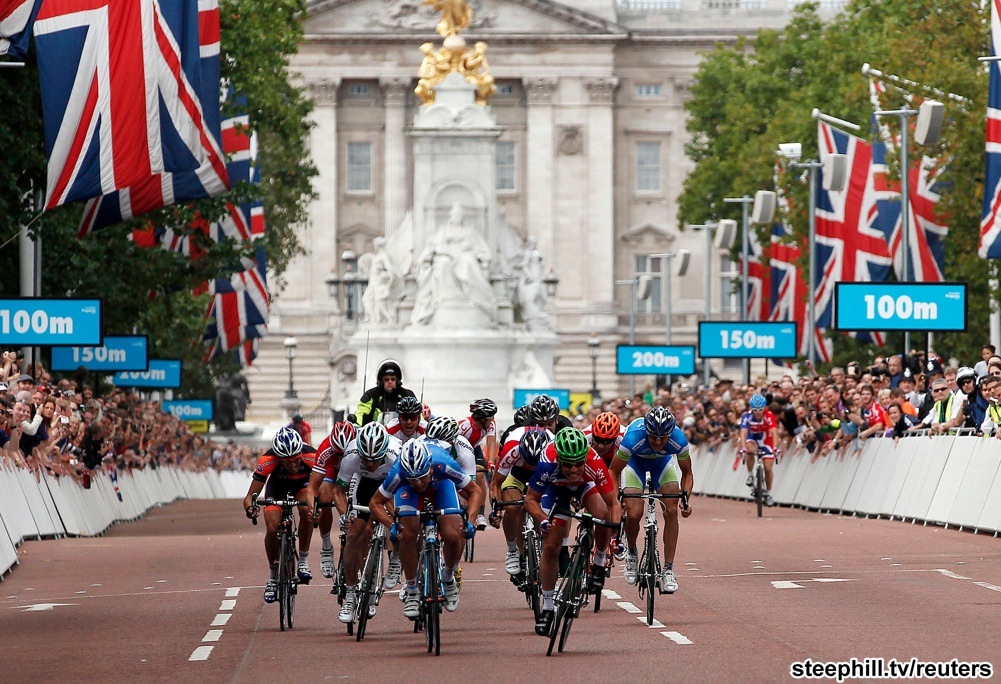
[[843, 471], [976, 485], [990, 519], [931, 457], [789, 475], [14, 508], [902, 462], [8, 551], [812, 488], [235, 484], [870, 500], [956, 464]]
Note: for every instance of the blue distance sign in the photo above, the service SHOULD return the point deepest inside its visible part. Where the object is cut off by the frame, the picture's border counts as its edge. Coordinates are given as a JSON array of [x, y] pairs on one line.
[[29, 322], [119, 353], [924, 307], [161, 374], [523, 397], [747, 340], [647, 360], [189, 409]]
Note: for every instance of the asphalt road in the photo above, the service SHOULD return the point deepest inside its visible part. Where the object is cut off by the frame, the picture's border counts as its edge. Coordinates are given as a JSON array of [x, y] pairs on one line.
[[177, 596]]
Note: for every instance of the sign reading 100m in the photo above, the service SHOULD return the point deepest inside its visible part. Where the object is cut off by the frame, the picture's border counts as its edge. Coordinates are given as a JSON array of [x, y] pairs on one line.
[[900, 306], [747, 340], [28, 321]]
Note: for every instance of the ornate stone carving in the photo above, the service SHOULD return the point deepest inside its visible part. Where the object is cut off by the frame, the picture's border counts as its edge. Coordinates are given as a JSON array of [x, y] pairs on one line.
[[394, 90], [540, 90], [601, 90], [414, 14], [570, 139], [323, 91]]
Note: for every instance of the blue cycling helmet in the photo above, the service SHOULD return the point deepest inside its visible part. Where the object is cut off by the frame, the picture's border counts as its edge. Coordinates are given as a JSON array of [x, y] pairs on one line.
[[415, 461], [533, 444], [758, 401], [659, 422], [287, 443]]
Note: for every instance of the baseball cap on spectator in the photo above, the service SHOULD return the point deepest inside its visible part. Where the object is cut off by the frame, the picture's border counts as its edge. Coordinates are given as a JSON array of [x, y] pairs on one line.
[[24, 377]]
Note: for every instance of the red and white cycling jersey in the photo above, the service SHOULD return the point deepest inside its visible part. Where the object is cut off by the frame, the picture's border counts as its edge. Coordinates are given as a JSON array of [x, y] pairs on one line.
[[476, 435], [328, 459], [510, 455], [395, 429], [270, 465]]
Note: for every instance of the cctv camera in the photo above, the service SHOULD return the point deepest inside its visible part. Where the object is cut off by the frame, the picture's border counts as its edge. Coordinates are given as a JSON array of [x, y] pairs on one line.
[[791, 151]]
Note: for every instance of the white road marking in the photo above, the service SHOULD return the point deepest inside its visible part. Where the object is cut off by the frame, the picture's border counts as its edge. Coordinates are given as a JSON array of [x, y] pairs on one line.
[[985, 585], [228, 577], [948, 573], [217, 584], [894, 564], [677, 637], [886, 558], [628, 607], [657, 624], [212, 635], [610, 595], [81, 592], [95, 585], [793, 585], [770, 572], [759, 567], [232, 592], [757, 561], [200, 653], [826, 566], [147, 588], [161, 581], [227, 605], [488, 574], [784, 584], [691, 563], [34, 608], [819, 560], [695, 569], [221, 619]]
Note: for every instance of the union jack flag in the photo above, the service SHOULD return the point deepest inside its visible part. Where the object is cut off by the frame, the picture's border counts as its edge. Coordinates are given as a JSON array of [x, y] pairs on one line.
[[790, 293], [120, 97], [851, 241], [16, 18], [160, 190], [758, 304], [990, 221]]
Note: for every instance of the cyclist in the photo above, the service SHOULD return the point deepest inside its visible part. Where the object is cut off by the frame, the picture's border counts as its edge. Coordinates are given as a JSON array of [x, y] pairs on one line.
[[510, 481], [480, 430], [547, 414], [321, 485], [384, 397], [647, 448], [759, 432], [523, 416], [554, 483], [605, 434], [285, 467], [426, 471], [367, 462], [408, 423]]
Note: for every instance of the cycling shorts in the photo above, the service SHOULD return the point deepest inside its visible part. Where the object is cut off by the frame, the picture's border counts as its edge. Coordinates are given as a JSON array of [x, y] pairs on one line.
[[517, 479], [442, 494], [278, 488], [559, 496], [363, 493], [662, 472], [481, 462], [765, 450]]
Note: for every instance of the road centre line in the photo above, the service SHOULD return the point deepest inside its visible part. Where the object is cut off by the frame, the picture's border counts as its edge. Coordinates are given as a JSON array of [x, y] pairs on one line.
[[232, 592], [200, 653], [986, 585], [221, 619], [212, 635], [228, 604], [677, 637]]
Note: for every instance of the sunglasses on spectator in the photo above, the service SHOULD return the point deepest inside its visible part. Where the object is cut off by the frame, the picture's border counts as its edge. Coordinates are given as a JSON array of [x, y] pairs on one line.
[[939, 389]]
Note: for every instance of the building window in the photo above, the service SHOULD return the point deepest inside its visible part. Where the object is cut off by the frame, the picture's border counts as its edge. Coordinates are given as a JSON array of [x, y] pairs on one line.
[[648, 90], [359, 90], [648, 167], [359, 167], [506, 161], [651, 267], [505, 89]]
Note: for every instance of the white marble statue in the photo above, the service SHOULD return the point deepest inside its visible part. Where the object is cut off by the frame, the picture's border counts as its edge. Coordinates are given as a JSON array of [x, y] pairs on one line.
[[453, 265], [530, 291], [381, 300]]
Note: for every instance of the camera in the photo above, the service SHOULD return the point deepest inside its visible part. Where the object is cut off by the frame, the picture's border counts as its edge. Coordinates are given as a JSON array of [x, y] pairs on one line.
[[64, 420], [791, 151], [75, 451]]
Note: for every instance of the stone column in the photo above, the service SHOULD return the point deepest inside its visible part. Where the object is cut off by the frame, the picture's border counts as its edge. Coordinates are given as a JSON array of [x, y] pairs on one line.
[[539, 162], [600, 234], [394, 172], [322, 243]]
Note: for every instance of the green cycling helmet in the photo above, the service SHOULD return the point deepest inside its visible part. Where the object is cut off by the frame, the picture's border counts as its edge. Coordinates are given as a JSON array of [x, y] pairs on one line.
[[571, 446]]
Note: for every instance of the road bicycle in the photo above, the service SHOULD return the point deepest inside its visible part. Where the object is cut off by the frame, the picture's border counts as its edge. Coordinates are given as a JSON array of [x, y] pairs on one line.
[[288, 557], [370, 588], [649, 568], [758, 482], [571, 590], [531, 555], [429, 583], [339, 588]]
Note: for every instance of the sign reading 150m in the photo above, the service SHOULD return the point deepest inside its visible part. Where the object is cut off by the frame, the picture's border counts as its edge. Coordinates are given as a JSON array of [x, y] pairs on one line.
[[747, 340], [900, 306], [118, 353], [646, 360], [29, 321]]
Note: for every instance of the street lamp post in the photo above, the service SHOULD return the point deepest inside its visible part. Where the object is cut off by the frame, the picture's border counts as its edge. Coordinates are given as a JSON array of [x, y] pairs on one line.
[[290, 402], [745, 255], [351, 280], [593, 345], [665, 259]]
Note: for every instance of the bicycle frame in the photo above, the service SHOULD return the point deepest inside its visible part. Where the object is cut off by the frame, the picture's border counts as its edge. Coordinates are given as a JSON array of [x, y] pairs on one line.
[[370, 587], [429, 581], [288, 576]]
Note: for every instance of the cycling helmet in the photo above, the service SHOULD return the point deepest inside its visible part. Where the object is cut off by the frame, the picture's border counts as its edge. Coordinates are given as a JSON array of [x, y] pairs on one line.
[[524, 416], [444, 428], [545, 408], [659, 422], [408, 406], [287, 443], [483, 408], [341, 434], [571, 446], [415, 461], [606, 426], [373, 441], [758, 401], [532, 445]]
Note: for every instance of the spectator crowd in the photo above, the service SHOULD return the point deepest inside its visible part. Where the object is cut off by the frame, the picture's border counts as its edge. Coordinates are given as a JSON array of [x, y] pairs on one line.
[[62, 428]]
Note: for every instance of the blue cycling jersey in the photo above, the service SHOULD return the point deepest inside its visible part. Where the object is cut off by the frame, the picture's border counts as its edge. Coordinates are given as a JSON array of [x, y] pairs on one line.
[[635, 444], [443, 467]]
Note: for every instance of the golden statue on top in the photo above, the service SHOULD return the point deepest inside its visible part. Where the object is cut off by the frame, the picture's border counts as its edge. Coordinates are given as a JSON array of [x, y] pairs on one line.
[[453, 55]]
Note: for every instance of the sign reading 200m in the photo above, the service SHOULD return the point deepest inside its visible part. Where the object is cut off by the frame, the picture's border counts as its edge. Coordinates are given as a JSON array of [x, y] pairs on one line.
[[647, 360], [42, 322], [900, 306], [161, 373], [747, 340]]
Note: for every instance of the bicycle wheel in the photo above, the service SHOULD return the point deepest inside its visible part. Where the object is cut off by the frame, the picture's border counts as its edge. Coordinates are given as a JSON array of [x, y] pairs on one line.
[[574, 591], [366, 588], [533, 592], [284, 580], [652, 571], [432, 605], [470, 549], [561, 613], [759, 488]]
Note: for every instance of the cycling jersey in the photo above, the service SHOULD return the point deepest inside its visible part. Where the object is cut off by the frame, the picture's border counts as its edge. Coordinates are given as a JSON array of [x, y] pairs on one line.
[[351, 466], [594, 467], [268, 466], [446, 478], [476, 435], [328, 459], [511, 455], [759, 430], [634, 444], [461, 451], [395, 429]]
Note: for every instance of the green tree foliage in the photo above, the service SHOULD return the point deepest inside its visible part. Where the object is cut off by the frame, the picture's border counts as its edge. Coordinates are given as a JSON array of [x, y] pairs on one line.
[[749, 97], [150, 291]]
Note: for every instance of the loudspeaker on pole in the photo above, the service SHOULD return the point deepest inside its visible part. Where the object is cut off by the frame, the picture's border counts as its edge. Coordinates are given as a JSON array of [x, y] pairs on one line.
[[764, 207], [726, 232], [929, 125], [835, 172]]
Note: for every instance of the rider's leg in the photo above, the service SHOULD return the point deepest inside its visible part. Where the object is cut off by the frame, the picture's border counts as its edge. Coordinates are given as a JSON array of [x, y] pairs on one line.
[[769, 464]]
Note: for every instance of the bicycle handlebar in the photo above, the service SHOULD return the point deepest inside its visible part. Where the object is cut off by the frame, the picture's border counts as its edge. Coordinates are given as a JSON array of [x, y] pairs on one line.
[[584, 517], [503, 504], [683, 495]]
